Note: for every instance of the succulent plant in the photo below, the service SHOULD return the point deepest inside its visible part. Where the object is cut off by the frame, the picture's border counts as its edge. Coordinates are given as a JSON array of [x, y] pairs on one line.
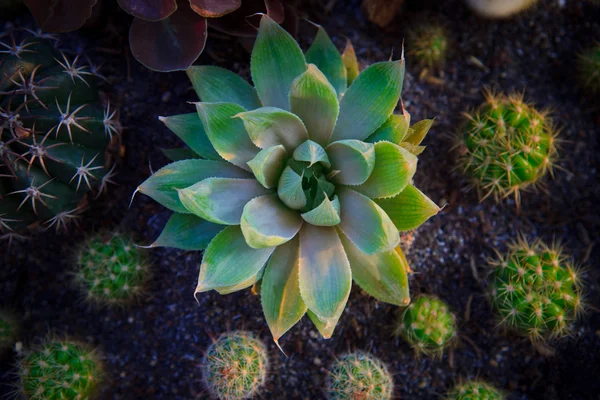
[[536, 290], [359, 376], [589, 68], [475, 390], [506, 145], [60, 370], [427, 43], [428, 326], [56, 139], [286, 193], [381, 12], [499, 8], [111, 269], [235, 366], [9, 330]]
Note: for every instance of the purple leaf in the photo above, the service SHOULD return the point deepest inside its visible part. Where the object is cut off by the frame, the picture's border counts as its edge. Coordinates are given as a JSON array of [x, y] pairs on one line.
[[149, 10], [215, 8], [240, 22], [60, 15]]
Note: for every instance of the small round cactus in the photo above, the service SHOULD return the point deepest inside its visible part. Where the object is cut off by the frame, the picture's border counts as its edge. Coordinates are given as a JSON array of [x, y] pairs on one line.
[[60, 370], [536, 290], [235, 366], [475, 390], [359, 376], [428, 44], [506, 146], [589, 68], [428, 325], [9, 330], [111, 269]]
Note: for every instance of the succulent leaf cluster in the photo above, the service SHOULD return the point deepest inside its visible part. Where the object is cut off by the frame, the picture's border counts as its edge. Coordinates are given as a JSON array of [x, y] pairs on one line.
[[111, 269], [427, 43], [10, 328], [506, 146], [235, 366], [60, 370], [475, 390], [305, 180], [589, 68], [428, 325], [56, 137], [536, 290], [499, 8], [359, 376]]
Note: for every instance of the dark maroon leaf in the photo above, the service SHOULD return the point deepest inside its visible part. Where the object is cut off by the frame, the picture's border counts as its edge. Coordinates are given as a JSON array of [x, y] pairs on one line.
[[149, 10], [215, 8], [172, 44], [60, 15], [243, 22]]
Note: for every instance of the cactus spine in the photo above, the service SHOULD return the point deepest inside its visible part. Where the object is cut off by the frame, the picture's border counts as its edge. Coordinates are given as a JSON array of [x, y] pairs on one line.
[[358, 376], [428, 44], [475, 390]]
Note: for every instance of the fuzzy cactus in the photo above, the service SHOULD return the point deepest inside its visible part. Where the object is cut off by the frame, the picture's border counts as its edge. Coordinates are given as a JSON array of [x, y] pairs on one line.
[[507, 146], [60, 370], [57, 142], [235, 366], [589, 68], [499, 8], [111, 269], [428, 45], [536, 290], [475, 390], [428, 326], [10, 328], [305, 182], [359, 376]]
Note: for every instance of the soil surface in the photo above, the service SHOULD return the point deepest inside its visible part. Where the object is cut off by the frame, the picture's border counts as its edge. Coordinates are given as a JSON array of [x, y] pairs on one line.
[[153, 349]]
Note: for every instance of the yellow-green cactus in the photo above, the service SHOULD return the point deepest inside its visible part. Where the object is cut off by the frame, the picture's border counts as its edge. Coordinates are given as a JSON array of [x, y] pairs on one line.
[[428, 44], [357, 376], [475, 390]]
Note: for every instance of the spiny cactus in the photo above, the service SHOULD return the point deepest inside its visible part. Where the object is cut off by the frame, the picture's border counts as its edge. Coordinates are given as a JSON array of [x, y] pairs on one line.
[[56, 140], [305, 184], [9, 330], [235, 366], [111, 269], [499, 8], [506, 145], [475, 390], [60, 370], [428, 326], [428, 45], [536, 290], [359, 376], [589, 68]]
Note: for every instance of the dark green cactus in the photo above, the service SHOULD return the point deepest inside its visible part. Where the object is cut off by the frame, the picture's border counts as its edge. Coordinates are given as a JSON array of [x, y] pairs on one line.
[[506, 145], [428, 326], [10, 328], [428, 44], [589, 67], [235, 366], [60, 370], [358, 376], [111, 269], [57, 142], [475, 390], [536, 290]]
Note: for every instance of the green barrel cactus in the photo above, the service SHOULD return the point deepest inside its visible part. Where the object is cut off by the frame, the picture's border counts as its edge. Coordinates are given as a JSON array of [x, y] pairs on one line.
[[428, 45], [10, 329], [428, 326], [235, 366], [305, 181], [536, 290], [60, 370], [475, 390], [56, 138], [588, 66], [111, 269], [359, 376], [507, 146]]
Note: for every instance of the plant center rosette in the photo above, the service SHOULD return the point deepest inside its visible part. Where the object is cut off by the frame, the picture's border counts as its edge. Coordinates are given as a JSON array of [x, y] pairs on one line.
[[302, 183]]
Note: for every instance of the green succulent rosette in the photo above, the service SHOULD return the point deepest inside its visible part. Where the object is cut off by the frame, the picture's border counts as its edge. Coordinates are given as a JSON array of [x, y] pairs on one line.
[[303, 181]]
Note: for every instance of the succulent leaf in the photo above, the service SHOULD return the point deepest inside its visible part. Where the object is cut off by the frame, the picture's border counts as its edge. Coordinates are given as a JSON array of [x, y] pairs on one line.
[[394, 130], [268, 165], [149, 10], [353, 159], [187, 232], [270, 126], [189, 128], [312, 153], [328, 59], [326, 214], [409, 209], [290, 189], [418, 132], [350, 62], [214, 8]]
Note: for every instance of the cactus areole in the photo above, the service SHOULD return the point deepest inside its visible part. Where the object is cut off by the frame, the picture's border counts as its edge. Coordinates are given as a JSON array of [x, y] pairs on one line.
[[303, 181]]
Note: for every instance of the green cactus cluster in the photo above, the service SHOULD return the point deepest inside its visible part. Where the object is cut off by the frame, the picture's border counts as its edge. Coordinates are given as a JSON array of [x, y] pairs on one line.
[[60, 370], [9, 330], [57, 140], [428, 325], [536, 290], [235, 366], [589, 67], [111, 269], [506, 145], [428, 44], [475, 390], [359, 376]]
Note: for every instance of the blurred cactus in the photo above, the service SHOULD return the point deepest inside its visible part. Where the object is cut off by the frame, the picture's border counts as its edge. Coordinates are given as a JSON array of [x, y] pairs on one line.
[[10, 328], [428, 45], [60, 370], [358, 376], [475, 390], [428, 326], [111, 269], [381, 12], [499, 8], [506, 145], [589, 68], [536, 290], [56, 140], [235, 366]]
